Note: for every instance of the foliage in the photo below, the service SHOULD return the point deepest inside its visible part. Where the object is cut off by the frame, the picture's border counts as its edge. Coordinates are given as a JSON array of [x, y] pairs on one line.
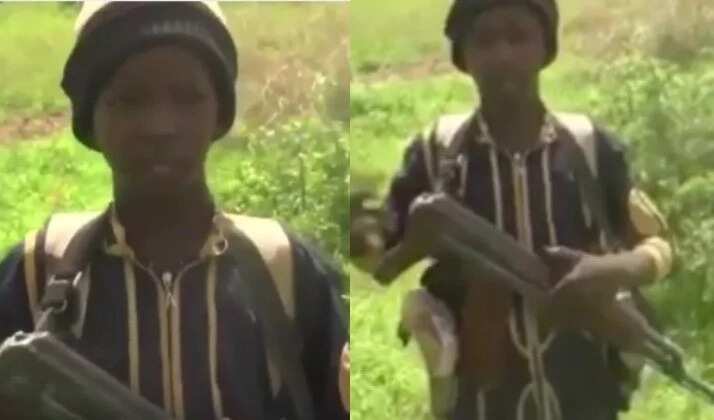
[[665, 112], [35, 83], [297, 171]]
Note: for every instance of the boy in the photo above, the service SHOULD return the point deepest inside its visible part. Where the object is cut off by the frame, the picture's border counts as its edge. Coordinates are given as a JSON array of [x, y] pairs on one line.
[[160, 302], [513, 170]]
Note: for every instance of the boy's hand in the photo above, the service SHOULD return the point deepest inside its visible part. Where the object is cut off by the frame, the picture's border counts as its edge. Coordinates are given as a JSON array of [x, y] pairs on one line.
[[594, 280]]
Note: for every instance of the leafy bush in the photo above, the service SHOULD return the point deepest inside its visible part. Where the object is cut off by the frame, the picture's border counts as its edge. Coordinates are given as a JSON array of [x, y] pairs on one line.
[[297, 171], [665, 113]]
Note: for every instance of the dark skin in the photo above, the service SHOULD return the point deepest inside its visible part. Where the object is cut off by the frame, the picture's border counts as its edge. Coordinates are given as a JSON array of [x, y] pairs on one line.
[[504, 52], [154, 128]]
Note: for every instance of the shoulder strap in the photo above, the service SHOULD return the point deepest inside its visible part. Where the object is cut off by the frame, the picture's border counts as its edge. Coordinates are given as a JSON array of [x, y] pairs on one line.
[[442, 145], [581, 153], [273, 244], [583, 132], [262, 252], [68, 237], [68, 241]]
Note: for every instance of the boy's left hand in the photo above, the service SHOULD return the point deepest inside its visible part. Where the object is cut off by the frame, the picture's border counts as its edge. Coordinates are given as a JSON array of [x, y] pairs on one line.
[[587, 279]]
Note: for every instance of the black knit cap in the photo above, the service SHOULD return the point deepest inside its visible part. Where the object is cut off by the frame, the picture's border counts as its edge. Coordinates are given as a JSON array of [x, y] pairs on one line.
[[463, 12], [113, 31]]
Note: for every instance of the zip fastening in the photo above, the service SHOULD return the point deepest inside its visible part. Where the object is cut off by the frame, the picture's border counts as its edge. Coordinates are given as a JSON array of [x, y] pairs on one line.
[[166, 281], [168, 295], [168, 284], [518, 161], [522, 216], [533, 348]]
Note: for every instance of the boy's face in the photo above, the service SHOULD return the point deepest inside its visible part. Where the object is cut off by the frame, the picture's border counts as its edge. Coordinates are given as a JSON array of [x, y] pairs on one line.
[[504, 50], [155, 120]]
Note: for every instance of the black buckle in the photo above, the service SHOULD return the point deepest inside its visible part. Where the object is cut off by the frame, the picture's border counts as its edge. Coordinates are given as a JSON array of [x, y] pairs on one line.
[[451, 170], [59, 292]]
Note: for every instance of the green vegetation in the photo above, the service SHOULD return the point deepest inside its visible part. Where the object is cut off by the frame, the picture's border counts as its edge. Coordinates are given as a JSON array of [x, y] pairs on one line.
[[656, 96], [35, 42]]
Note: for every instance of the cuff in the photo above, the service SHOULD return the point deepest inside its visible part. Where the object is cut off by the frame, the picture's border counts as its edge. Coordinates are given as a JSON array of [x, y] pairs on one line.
[[660, 251]]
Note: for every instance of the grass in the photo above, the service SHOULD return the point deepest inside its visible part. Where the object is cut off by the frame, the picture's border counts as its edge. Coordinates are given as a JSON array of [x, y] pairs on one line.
[[388, 33], [31, 85]]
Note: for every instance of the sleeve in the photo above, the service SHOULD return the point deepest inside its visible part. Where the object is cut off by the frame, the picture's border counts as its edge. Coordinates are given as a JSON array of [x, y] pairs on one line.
[[322, 317], [635, 218], [14, 304], [409, 182]]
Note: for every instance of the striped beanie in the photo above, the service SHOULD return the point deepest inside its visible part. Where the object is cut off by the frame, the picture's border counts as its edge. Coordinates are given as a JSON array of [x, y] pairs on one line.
[[111, 31], [462, 14]]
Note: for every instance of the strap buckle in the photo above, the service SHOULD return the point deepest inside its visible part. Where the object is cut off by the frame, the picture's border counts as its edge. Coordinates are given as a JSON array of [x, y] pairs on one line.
[[60, 290], [451, 175]]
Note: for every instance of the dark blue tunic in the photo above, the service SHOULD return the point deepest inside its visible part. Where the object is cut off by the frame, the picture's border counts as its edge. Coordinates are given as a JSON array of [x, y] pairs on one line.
[[174, 349], [533, 199]]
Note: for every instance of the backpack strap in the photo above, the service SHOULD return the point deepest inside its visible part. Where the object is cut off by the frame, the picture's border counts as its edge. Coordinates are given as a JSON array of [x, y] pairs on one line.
[[68, 242], [581, 154], [261, 250], [583, 132], [30, 261], [273, 244], [441, 146]]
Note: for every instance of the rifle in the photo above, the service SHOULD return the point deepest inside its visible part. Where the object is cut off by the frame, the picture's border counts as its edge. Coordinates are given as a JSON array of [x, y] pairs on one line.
[[41, 378], [439, 226]]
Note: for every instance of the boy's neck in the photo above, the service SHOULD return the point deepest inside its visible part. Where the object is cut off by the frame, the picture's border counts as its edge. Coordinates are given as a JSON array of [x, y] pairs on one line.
[[166, 230], [516, 124]]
